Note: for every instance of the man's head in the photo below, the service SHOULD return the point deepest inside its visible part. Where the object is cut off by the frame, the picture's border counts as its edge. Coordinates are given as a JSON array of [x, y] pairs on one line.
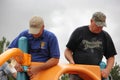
[[35, 25], [99, 19]]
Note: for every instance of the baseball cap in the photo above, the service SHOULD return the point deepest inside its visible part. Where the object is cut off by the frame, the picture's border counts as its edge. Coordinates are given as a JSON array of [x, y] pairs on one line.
[[99, 18], [35, 24]]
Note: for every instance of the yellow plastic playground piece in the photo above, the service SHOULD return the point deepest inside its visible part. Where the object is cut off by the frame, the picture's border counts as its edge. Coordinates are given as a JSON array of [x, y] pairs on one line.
[[87, 72]]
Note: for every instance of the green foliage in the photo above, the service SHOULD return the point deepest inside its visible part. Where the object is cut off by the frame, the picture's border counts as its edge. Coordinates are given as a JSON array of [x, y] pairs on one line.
[[64, 77], [3, 44], [11, 78], [115, 72]]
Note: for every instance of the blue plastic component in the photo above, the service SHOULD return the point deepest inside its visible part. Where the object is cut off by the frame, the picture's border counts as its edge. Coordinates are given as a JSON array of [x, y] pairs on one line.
[[23, 45], [102, 65]]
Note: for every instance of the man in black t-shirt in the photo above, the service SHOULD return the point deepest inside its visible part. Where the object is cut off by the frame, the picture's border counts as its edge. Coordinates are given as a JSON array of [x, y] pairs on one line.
[[88, 45]]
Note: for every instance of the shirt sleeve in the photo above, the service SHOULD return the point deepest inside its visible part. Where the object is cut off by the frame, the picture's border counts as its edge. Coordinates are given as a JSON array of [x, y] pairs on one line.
[[54, 47], [110, 48], [14, 43], [74, 40]]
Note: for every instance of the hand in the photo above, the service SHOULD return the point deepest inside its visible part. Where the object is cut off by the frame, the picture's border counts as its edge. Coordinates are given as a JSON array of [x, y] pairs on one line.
[[14, 75], [71, 62], [32, 71], [18, 67], [105, 73]]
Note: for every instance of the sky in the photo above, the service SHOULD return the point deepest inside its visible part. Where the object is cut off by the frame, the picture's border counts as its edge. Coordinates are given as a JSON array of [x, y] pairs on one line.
[[60, 17]]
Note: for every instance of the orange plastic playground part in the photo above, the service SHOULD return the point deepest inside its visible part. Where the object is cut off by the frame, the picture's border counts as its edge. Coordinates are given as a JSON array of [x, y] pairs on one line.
[[87, 72], [17, 54]]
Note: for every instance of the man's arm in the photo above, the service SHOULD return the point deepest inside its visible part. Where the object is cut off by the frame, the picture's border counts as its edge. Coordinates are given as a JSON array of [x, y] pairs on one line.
[[110, 63], [33, 70], [68, 56], [50, 63]]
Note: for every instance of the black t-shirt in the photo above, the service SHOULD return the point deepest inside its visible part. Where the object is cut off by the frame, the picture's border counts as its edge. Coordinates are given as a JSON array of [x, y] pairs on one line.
[[88, 47]]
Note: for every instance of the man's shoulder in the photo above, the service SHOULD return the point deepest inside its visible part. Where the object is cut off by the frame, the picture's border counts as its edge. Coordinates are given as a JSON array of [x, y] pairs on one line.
[[25, 33], [105, 33], [48, 33], [81, 28]]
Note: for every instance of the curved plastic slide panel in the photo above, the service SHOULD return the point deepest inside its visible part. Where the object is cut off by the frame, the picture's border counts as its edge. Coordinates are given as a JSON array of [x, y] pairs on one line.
[[17, 54], [87, 72]]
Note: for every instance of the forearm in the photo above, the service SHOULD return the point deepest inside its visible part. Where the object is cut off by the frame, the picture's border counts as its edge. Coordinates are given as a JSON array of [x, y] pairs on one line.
[[50, 63], [68, 55], [110, 63], [106, 71]]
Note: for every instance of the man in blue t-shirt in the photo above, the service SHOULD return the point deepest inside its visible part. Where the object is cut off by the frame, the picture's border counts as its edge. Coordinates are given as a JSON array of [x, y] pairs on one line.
[[88, 45], [42, 45]]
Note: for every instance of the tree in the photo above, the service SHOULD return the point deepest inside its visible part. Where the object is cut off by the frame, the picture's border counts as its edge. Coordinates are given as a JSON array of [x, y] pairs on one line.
[[3, 44], [115, 72], [64, 77]]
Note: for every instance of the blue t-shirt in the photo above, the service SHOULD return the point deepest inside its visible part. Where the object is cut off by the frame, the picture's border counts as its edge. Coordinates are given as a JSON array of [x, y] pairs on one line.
[[41, 48]]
